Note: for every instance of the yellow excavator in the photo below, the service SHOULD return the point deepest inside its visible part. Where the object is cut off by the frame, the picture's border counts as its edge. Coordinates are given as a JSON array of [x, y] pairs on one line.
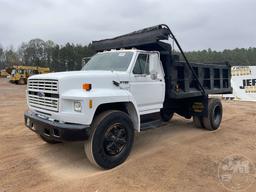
[[20, 74]]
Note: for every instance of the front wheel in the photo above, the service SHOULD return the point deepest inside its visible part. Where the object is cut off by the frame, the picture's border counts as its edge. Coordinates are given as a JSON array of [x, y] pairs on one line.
[[166, 115], [111, 139]]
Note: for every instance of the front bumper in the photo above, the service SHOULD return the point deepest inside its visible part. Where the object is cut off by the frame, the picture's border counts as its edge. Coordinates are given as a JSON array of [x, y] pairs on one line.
[[55, 130]]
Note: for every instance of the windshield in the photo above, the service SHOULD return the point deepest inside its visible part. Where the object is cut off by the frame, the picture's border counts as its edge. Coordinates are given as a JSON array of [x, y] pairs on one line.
[[109, 61]]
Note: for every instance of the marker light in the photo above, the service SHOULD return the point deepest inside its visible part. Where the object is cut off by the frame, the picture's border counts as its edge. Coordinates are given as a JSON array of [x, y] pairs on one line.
[[87, 86], [90, 103]]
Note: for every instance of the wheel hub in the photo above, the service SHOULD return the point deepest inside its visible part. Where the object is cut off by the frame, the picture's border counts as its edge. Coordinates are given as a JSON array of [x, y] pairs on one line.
[[115, 139]]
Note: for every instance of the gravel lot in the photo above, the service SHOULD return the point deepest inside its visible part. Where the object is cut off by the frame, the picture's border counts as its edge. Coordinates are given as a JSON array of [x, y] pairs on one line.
[[174, 157]]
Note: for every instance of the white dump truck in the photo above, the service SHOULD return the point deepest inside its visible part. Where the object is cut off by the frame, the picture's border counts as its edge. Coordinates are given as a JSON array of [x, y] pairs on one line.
[[133, 80]]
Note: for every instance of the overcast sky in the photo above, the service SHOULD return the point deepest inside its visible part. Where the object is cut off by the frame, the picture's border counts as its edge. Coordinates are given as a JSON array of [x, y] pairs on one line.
[[198, 24]]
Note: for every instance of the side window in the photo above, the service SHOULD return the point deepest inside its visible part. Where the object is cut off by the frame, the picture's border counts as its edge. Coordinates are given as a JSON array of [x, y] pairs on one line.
[[142, 64]]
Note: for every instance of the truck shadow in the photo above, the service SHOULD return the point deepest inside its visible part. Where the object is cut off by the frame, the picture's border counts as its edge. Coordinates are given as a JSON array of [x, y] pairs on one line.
[[69, 159]]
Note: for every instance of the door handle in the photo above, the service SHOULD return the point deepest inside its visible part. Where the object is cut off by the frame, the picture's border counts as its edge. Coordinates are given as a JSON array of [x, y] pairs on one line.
[[140, 75]]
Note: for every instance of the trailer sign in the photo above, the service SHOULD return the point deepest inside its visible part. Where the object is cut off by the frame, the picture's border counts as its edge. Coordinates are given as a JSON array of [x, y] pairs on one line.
[[248, 83], [243, 82]]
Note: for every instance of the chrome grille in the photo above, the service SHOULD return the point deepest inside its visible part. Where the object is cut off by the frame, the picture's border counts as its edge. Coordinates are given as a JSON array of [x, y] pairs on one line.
[[43, 94], [47, 86]]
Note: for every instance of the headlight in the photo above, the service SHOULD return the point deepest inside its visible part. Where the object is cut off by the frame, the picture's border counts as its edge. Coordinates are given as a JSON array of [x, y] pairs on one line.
[[78, 106]]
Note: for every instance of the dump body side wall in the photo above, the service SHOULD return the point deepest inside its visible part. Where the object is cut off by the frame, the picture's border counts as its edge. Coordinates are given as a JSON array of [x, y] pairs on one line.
[[180, 82]]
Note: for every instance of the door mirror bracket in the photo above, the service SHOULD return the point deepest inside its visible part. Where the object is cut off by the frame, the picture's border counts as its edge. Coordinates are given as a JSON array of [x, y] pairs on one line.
[[153, 76]]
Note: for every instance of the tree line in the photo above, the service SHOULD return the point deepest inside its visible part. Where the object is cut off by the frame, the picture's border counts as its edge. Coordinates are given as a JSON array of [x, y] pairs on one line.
[[69, 57], [46, 54], [236, 57]]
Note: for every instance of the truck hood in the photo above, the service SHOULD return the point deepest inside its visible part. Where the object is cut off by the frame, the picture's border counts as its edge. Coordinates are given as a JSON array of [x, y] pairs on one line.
[[75, 79], [71, 74]]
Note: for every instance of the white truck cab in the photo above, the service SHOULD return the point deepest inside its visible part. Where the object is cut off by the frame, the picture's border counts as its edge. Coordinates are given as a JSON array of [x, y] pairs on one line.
[[119, 91], [134, 77], [63, 106]]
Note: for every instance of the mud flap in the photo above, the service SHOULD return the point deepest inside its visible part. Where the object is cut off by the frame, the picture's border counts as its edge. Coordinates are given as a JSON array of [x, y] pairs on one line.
[[199, 107]]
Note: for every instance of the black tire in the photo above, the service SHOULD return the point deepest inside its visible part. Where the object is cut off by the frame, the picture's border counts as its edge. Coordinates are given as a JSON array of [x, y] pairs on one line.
[[215, 110], [49, 140], [111, 139], [198, 122], [166, 115], [22, 81]]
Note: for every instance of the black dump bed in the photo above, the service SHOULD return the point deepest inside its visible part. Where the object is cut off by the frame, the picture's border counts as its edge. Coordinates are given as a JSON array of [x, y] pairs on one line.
[[215, 79], [181, 81]]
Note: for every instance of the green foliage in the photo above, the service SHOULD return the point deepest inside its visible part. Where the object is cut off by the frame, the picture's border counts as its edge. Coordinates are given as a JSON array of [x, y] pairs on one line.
[[69, 57], [2, 58], [234, 57], [11, 57], [47, 54]]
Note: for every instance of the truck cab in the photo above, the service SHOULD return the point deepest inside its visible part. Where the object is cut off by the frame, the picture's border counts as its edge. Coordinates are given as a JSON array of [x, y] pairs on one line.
[[112, 97], [62, 106], [134, 77]]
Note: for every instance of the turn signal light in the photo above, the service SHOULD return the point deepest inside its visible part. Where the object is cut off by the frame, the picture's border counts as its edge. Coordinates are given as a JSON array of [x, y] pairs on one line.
[[87, 86], [90, 103]]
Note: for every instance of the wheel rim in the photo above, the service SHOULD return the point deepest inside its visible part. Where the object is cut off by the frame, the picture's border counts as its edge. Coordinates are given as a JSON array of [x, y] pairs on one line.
[[217, 115], [115, 139]]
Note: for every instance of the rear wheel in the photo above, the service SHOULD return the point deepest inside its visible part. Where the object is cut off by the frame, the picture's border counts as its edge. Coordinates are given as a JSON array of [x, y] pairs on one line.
[[49, 140], [166, 115], [214, 117], [198, 122], [111, 139]]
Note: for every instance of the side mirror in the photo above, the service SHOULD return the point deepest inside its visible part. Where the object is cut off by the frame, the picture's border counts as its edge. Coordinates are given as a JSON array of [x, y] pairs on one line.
[[153, 65], [153, 76]]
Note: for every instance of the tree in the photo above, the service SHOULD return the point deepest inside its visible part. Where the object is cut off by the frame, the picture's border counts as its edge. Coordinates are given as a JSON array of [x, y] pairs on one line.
[[2, 59], [234, 57], [69, 57], [11, 58]]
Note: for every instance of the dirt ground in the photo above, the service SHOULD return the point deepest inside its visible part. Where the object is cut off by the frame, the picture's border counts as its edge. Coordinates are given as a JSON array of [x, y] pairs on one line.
[[174, 157]]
